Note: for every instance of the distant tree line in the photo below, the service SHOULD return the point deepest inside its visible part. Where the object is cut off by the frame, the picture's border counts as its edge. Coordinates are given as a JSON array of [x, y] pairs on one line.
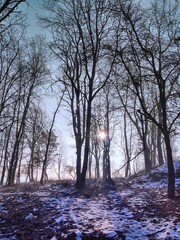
[[118, 68]]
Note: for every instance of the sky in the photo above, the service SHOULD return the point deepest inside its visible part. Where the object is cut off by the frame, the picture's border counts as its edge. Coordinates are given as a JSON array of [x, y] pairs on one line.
[[31, 9]]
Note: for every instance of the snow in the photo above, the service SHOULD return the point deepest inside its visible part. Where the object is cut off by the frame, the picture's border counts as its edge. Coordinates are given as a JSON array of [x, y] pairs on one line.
[[53, 238], [78, 235], [29, 217], [133, 212]]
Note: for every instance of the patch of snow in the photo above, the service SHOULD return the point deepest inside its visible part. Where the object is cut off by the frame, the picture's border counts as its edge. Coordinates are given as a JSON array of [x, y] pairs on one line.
[[170, 231], [60, 219], [111, 234], [73, 216], [96, 215], [54, 238], [29, 217], [78, 235]]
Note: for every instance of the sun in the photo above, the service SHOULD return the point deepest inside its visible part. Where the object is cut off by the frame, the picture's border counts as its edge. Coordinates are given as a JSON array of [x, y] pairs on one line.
[[102, 135]]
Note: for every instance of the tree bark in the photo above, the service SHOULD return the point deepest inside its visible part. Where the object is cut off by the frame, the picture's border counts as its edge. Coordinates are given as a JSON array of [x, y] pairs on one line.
[[171, 175], [86, 148]]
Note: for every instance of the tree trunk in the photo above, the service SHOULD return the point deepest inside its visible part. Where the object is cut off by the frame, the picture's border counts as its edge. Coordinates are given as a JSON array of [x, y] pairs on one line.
[[31, 162], [10, 179], [159, 147], [6, 154], [127, 170], [144, 124], [86, 149], [90, 165], [19, 164], [159, 135], [171, 175], [97, 157], [78, 163]]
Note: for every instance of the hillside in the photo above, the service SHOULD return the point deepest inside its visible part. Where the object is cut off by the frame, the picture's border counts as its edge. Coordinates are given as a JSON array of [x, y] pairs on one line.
[[130, 210]]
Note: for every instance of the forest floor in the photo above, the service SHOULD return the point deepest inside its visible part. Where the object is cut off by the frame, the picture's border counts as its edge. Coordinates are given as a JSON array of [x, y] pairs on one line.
[[136, 209]]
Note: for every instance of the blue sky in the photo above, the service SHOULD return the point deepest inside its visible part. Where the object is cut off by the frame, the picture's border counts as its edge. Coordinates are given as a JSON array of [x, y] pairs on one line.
[[31, 9]]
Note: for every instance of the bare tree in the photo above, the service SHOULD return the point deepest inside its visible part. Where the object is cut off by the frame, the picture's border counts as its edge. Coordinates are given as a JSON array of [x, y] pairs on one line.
[[95, 140], [32, 74], [80, 29], [128, 105], [151, 56], [50, 134], [60, 159], [103, 128], [34, 128]]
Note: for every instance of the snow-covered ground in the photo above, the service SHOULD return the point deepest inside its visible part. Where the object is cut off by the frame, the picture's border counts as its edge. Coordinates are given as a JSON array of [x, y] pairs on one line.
[[129, 210]]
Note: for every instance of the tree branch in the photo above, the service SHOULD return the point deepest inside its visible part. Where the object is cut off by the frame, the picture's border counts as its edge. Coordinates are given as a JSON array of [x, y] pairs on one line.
[[131, 159]]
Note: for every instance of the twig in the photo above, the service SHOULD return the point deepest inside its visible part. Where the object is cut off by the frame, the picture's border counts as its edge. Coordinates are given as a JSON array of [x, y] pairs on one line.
[[151, 234], [131, 159]]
